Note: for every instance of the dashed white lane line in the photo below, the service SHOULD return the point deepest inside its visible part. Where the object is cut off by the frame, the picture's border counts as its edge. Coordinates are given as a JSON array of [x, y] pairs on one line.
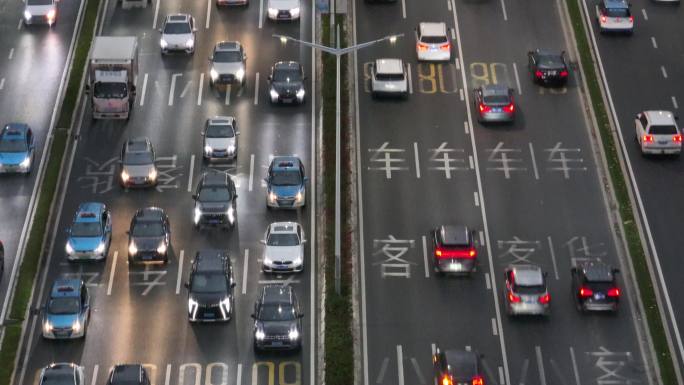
[[228, 91], [206, 25], [400, 365], [425, 257], [501, 375], [192, 169], [144, 91], [11, 54], [449, 5], [465, 125], [244, 273], [111, 273], [477, 198], [201, 85], [482, 240], [574, 366], [403, 8], [410, 77], [256, 89], [2, 83], [488, 282], [156, 14], [167, 380], [662, 69], [643, 11], [540, 365], [471, 162], [517, 78], [173, 87], [494, 331], [653, 41], [261, 14], [251, 171], [674, 103], [415, 155], [503, 9], [21, 22], [453, 34], [180, 270], [553, 258], [458, 62], [93, 379], [238, 380], [460, 93]]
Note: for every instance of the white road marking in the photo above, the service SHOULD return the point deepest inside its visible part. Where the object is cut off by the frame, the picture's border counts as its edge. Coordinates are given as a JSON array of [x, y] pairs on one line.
[[458, 63], [238, 380], [517, 78], [643, 11], [534, 162], [400, 365], [185, 89], [465, 125], [460, 93], [674, 103], [470, 160], [501, 376], [403, 8], [453, 34], [251, 171], [21, 22], [180, 269], [228, 90], [156, 14], [482, 240], [574, 366], [93, 379], [488, 281], [653, 41], [434, 348], [244, 272], [503, 9], [477, 198], [2, 83], [192, 169], [410, 78], [468, 348], [449, 5], [553, 258], [415, 155], [494, 332], [11, 54], [111, 273], [144, 91], [173, 87], [540, 365], [383, 369], [425, 257], [201, 85], [256, 90], [206, 25], [662, 69], [261, 14], [167, 380]]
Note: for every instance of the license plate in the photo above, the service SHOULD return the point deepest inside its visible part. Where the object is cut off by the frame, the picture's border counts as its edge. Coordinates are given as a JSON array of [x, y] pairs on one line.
[[281, 267], [553, 73], [496, 109], [147, 257], [209, 315], [288, 100], [214, 221], [663, 142], [599, 296], [456, 266], [277, 343], [529, 300]]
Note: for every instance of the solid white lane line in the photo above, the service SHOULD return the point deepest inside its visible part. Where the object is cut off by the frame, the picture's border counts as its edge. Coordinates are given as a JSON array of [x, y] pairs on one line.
[[403, 8], [410, 77], [643, 11], [477, 198], [244, 271], [534, 162], [251, 171], [653, 41], [238, 380], [156, 14], [488, 281], [574, 366], [111, 273], [192, 169], [494, 332], [674, 103], [256, 90], [11, 54], [312, 243], [465, 125], [662, 69], [425, 257], [553, 258], [201, 86], [517, 78], [93, 379], [540, 366], [261, 14], [415, 155], [2, 83], [144, 91], [503, 9], [180, 271], [173, 87], [400, 365], [206, 25]]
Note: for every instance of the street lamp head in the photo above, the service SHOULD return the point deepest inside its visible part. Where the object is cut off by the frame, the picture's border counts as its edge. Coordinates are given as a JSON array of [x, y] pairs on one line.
[[393, 39]]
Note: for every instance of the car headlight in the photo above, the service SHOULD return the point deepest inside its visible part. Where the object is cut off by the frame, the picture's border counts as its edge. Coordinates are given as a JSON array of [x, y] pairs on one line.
[[294, 334], [99, 249], [231, 214], [267, 261], [213, 74], [259, 335], [163, 43], [274, 94], [27, 14], [124, 176], [196, 215], [192, 307], [231, 148], [69, 248], [51, 14], [272, 12], [301, 93], [240, 74], [132, 248], [294, 12], [208, 150], [47, 326], [225, 304], [298, 261], [162, 248], [272, 197], [76, 327], [25, 163], [299, 197], [190, 43], [153, 174]]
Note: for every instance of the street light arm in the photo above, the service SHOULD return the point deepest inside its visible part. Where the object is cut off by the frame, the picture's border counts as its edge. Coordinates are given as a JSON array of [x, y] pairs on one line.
[[345, 50], [324, 48], [338, 51]]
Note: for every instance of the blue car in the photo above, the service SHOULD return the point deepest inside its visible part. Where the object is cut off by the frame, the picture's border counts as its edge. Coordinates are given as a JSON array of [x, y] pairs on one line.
[[286, 183], [16, 148], [67, 310], [90, 233]]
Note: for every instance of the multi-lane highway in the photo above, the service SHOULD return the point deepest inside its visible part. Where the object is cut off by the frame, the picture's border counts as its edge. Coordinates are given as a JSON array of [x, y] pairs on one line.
[[531, 190], [139, 314], [644, 72], [33, 64]]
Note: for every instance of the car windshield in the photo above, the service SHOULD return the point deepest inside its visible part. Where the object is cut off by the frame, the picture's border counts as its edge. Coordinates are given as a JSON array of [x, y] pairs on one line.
[[177, 28], [138, 158], [276, 312], [287, 75], [286, 178], [110, 90], [227, 56], [551, 61], [209, 283], [389, 77], [617, 12], [283, 240], [496, 99], [433, 39], [535, 289], [214, 194], [666, 129], [86, 229], [148, 229], [39, 2], [64, 305], [220, 131], [12, 145]]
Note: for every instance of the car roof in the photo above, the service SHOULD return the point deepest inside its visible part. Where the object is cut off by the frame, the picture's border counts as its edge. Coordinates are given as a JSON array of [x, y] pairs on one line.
[[528, 275], [432, 29], [127, 374], [178, 18], [284, 163], [615, 3], [282, 65], [218, 120], [89, 212], [138, 144], [453, 235], [211, 260], [597, 272], [64, 288], [149, 214], [389, 66], [660, 117], [462, 363], [215, 178], [16, 129], [277, 294], [283, 227], [227, 46], [494, 89]]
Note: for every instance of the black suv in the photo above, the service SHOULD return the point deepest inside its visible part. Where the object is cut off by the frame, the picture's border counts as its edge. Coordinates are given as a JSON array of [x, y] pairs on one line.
[[287, 82], [548, 67], [215, 200], [149, 236], [594, 286], [210, 288], [128, 374], [457, 367], [453, 250], [277, 319]]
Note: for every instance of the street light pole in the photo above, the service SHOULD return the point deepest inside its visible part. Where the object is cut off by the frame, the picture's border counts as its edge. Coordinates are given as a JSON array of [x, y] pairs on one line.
[[338, 52]]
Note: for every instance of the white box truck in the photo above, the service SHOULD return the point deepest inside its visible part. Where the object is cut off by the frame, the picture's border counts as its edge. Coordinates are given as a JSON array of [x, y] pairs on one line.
[[112, 75]]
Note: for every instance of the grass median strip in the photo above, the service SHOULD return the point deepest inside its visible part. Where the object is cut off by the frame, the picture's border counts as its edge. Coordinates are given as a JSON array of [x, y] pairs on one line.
[[636, 252], [32, 256]]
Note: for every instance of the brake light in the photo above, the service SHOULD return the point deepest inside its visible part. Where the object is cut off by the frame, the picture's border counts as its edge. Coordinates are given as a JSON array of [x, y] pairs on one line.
[[586, 292], [478, 380], [458, 253], [509, 108], [446, 380], [445, 47], [422, 47], [51, 14], [484, 108], [538, 74], [603, 19], [613, 292], [512, 298], [631, 19], [564, 74], [647, 139], [677, 138], [544, 299]]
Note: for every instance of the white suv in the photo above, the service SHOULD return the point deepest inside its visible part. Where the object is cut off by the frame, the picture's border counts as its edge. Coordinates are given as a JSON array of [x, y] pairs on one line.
[[388, 77], [657, 133], [284, 251], [178, 34], [432, 42]]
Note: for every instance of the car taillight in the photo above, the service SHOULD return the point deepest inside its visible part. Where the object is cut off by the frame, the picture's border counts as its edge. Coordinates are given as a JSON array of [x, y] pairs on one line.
[[613, 292], [512, 298], [677, 138], [446, 380], [422, 47], [484, 108], [458, 253], [477, 380], [51, 14], [544, 299], [445, 47], [603, 19], [538, 74], [564, 74], [631, 19], [586, 292], [509, 108], [647, 139]]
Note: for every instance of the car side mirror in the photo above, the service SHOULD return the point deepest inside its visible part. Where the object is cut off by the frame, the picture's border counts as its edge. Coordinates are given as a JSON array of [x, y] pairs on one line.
[[270, 77], [616, 271], [244, 57], [87, 88], [186, 284], [266, 180], [252, 315], [201, 133], [194, 196], [303, 240], [159, 29], [306, 179], [232, 283], [237, 133], [263, 242], [128, 232], [133, 89], [304, 77], [676, 117]]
